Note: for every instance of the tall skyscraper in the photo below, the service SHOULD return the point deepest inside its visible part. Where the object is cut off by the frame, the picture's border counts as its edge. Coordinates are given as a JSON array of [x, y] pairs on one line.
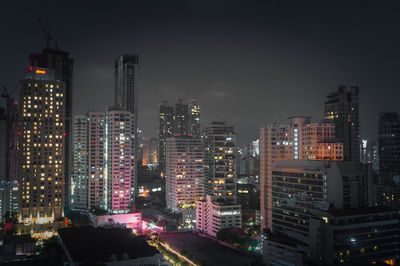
[[126, 98], [42, 146], [341, 108], [126, 82], [194, 119], [165, 130], [300, 140], [62, 65], [220, 161], [181, 118], [111, 160], [80, 163], [119, 159], [96, 160], [184, 174]]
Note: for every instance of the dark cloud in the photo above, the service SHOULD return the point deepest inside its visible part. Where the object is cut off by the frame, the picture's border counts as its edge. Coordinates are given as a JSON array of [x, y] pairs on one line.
[[247, 62]]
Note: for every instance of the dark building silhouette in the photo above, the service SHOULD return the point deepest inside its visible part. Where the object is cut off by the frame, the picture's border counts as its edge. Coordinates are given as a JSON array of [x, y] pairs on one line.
[[341, 108]]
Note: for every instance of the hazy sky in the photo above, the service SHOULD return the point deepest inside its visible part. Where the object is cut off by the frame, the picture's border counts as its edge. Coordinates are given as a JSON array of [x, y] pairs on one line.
[[247, 62]]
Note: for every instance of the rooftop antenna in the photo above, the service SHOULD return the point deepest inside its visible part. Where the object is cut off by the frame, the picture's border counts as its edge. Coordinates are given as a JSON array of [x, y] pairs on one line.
[[46, 32]]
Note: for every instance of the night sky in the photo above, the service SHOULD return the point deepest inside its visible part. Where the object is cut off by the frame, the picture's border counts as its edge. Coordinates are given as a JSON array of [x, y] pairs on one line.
[[247, 62]]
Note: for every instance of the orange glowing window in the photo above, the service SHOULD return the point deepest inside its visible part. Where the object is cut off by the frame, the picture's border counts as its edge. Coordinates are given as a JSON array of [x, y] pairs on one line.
[[40, 71]]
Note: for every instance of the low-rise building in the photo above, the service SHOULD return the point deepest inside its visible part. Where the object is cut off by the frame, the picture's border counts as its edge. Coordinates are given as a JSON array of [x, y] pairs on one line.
[[214, 215]]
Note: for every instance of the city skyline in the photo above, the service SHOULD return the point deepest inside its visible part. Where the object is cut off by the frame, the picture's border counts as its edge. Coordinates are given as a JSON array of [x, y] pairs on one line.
[[283, 55]]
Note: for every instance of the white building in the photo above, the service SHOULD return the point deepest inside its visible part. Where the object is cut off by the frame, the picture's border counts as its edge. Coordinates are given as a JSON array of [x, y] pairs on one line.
[[213, 215]]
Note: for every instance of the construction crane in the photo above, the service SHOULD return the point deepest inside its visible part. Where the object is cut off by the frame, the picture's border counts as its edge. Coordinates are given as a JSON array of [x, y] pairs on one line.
[[46, 32]]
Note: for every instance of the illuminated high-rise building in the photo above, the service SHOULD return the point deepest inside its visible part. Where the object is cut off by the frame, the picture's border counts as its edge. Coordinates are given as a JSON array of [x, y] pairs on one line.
[[341, 108], [126, 98], [80, 163], [194, 119], [62, 65], [42, 146], [96, 160], [300, 140], [184, 174], [119, 160], [220, 161], [181, 118], [165, 131], [111, 160]]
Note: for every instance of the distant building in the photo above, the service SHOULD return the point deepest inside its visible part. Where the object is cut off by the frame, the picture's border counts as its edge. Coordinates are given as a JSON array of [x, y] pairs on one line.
[[341, 108], [181, 118], [354, 236], [194, 119], [220, 161], [299, 140], [114, 246], [184, 175], [213, 215], [150, 152], [166, 129]]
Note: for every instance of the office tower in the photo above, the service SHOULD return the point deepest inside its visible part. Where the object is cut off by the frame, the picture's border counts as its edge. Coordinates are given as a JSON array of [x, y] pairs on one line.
[[341, 108], [213, 215], [96, 160], [80, 163], [300, 140], [126, 97], [119, 168], [389, 159], [42, 146], [181, 118], [184, 175], [165, 130], [194, 119], [301, 186], [220, 161], [62, 65]]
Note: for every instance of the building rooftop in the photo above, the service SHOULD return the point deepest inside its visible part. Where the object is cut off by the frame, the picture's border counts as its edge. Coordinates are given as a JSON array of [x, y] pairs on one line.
[[88, 244]]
